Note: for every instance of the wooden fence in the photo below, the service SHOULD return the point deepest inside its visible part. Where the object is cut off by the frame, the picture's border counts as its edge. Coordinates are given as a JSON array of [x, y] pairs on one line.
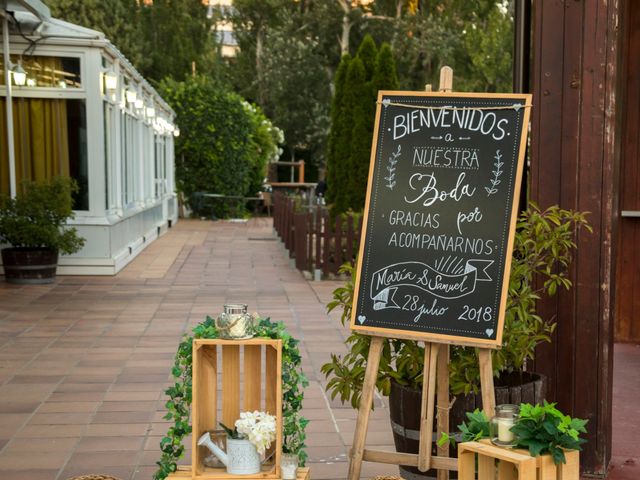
[[313, 239]]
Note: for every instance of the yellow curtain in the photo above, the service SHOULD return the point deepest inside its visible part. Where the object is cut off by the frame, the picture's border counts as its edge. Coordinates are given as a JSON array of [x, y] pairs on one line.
[[41, 140], [4, 152]]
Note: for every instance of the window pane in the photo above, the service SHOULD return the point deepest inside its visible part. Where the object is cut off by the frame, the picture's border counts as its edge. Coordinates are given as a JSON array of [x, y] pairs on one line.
[[50, 138], [57, 72]]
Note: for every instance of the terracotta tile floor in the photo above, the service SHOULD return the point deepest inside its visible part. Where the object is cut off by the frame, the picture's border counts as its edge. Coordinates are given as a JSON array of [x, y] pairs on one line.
[[84, 362]]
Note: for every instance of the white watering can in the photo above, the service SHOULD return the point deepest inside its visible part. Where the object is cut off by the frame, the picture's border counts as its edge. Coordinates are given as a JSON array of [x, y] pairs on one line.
[[241, 457]]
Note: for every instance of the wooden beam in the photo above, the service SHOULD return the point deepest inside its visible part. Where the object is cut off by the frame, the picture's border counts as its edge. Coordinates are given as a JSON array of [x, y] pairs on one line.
[[362, 423], [409, 459], [574, 164]]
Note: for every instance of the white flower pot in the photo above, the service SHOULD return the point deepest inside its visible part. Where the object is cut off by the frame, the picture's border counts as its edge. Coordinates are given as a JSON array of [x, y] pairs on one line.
[[242, 457]]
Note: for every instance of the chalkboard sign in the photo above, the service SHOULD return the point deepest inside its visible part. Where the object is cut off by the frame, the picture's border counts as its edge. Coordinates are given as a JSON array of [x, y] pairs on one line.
[[440, 215]]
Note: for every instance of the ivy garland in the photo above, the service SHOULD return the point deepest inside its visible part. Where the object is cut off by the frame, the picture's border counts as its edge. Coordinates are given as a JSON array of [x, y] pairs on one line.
[[293, 383]]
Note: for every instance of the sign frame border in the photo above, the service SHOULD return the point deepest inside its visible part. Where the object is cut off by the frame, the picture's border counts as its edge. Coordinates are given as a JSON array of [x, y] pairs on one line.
[[438, 337]]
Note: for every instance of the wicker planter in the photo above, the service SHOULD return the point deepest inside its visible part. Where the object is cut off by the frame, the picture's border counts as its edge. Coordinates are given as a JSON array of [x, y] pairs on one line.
[[405, 404], [29, 265]]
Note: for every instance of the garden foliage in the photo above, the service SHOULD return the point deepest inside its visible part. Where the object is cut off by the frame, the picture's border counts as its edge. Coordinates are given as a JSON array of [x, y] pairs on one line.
[[142, 31], [338, 142], [541, 429], [37, 217], [224, 145], [353, 114]]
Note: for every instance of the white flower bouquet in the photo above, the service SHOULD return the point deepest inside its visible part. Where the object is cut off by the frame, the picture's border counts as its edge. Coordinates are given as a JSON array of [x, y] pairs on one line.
[[257, 427]]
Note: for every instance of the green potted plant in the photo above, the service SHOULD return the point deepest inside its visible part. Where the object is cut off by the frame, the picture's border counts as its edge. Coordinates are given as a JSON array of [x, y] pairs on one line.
[[293, 446], [33, 224], [540, 429], [544, 241]]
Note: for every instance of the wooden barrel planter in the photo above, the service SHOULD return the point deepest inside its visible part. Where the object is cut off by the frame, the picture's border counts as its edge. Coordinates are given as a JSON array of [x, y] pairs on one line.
[[29, 265], [405, 404]]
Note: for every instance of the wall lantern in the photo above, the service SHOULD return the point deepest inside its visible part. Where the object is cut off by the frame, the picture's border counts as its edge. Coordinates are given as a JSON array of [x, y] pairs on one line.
[[19, 75], [110, 80], [176, 132], [150, 112], [131, 95], [139, 103]]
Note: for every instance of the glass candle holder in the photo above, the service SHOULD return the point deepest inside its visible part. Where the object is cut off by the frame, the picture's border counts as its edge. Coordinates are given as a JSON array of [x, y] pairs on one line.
[[289, 466], [235, 322], [501, 423]]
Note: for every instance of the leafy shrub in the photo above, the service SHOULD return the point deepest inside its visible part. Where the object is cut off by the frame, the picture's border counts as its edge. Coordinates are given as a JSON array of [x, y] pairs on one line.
[[542, 429], [224, 144], [37, 216], [545, 429]]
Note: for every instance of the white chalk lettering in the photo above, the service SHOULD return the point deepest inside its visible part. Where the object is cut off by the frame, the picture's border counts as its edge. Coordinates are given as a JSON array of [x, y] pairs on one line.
[[428, 193]]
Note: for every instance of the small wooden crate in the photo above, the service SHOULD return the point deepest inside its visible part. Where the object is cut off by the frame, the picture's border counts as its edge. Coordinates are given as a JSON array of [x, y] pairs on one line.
[[496, 463], [237, 386]]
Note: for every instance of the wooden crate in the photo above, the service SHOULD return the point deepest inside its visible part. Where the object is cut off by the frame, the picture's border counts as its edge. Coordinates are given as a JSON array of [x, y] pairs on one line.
[[236, 385], [496, 463], [184, 473]]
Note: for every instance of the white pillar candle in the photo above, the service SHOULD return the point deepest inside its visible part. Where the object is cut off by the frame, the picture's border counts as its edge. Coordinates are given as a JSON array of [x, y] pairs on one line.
[[504, 430], [238, 326]]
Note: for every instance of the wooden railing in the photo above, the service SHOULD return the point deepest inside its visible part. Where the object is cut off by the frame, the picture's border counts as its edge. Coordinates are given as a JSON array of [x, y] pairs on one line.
[[312, 237]]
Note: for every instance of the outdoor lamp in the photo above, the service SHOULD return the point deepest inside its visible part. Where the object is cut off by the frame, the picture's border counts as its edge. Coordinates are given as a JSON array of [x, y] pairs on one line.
[[19, 75], [110, 80], [150, 112], [139, 103], [131, 95], [176, 132]]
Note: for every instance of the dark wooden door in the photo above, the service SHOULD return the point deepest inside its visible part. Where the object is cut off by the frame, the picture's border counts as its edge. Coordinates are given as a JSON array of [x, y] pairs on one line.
[[627, 322]]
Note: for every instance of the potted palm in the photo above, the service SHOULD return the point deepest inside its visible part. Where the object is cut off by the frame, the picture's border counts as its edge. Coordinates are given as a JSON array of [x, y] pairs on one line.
[[544, 241], [33, 224]]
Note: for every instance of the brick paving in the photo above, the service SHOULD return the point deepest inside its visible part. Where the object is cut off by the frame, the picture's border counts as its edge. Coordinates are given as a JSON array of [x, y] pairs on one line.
[[84, 362], [625, 455]]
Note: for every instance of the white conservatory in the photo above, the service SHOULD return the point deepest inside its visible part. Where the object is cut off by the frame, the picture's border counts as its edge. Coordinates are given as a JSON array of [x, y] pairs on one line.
[[77, 107]]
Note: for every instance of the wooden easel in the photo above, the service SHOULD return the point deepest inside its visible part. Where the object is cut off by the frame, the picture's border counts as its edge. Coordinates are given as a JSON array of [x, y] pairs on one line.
[[436, 366]]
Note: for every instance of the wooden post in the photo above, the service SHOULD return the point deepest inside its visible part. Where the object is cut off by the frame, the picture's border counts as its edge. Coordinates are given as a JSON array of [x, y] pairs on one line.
[[368, 387], [446, 79], [337, 257], [428, 404], [486, 382], [442, 394], [318, 232]]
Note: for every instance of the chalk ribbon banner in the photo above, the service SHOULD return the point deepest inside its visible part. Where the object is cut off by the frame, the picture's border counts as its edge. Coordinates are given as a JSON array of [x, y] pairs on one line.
[[408, 276]]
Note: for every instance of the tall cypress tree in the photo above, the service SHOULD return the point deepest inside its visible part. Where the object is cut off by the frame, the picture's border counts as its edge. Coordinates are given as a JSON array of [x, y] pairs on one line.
[[335, 152], [353, 117], [363, 106], [357, 98], [361, 133], [367, 52], [385, 77]]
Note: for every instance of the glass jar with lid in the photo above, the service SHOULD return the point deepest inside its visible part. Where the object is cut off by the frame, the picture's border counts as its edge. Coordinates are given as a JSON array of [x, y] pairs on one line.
[[234, 322], [501, 424]]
